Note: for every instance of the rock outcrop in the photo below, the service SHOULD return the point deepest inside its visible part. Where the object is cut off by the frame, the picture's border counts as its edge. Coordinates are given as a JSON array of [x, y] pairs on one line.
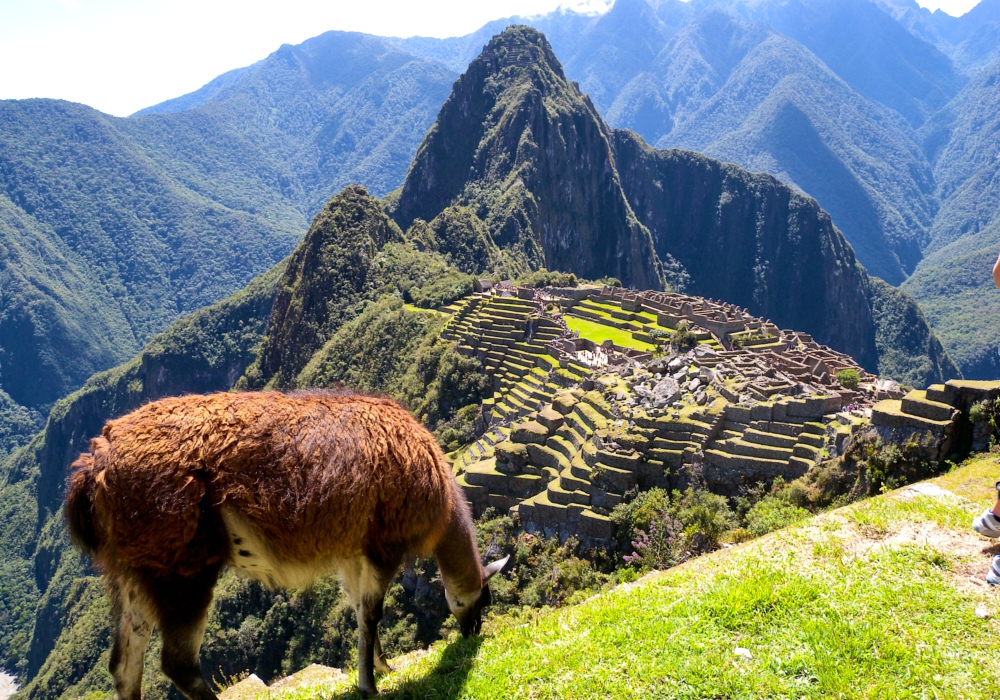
[[519, 151], [522, 147]]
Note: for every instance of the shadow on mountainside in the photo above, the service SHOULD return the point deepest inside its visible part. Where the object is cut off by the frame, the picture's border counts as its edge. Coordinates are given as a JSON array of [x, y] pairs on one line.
[[444, 682]]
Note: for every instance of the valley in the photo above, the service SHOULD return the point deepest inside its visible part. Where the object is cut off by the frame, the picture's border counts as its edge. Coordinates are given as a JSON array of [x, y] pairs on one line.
[[695, 287]]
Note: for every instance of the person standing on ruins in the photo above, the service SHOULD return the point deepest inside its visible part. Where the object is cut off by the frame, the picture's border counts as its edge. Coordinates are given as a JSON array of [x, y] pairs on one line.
[[988, 524]]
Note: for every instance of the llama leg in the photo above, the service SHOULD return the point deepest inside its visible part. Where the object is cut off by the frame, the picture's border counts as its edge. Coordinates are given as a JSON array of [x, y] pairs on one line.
[[381, 663], [130, 630], [182, 605], [366, 584]]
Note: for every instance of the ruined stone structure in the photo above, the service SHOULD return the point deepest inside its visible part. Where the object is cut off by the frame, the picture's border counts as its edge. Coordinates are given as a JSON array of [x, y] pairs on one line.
[[936, 420], [592, 402]]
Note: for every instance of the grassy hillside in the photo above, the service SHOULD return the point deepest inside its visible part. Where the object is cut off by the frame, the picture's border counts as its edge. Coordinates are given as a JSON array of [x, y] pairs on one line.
[[884, 598]]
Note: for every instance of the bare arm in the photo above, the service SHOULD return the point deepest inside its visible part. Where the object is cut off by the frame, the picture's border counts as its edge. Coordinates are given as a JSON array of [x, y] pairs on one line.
[[996, 273]]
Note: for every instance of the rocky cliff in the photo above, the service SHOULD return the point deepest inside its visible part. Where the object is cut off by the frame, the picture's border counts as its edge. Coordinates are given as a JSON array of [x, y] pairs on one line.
[[750, 240], [529, 154]]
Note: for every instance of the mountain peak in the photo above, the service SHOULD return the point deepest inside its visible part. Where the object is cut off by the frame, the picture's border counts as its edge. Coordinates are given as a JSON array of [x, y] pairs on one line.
[[519, 46], [524, 150]]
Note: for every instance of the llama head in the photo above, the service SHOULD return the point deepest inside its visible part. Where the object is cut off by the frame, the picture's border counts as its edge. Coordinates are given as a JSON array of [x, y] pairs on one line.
[[468, 608]]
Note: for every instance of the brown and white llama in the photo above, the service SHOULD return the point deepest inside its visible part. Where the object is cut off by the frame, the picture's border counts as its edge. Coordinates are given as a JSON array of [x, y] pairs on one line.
[[282, 487]]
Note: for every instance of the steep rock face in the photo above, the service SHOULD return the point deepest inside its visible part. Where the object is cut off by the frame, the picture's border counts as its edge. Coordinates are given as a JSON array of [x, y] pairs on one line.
[[523, 148], [325, 276], [751, 240]]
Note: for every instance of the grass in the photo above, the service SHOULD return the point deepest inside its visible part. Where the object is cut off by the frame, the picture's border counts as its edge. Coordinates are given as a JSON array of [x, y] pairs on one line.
[[882, 599], [410, 308], [599, 333]]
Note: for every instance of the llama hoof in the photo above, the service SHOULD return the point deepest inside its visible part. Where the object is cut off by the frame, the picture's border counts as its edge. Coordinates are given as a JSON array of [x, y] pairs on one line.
[[368, 690]]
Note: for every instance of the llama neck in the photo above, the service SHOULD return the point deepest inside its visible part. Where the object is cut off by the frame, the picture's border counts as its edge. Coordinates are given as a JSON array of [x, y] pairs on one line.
[[457, 555]]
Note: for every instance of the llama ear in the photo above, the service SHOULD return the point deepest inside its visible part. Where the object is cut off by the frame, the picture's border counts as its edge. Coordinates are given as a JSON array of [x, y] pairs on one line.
[[494, 567]]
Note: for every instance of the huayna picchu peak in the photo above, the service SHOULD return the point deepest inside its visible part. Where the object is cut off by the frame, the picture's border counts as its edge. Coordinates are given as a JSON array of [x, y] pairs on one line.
[[528, 153], [545, 183]]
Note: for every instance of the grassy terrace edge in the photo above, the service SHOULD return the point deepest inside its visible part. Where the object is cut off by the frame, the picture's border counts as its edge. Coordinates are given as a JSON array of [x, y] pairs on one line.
[[882, 598]]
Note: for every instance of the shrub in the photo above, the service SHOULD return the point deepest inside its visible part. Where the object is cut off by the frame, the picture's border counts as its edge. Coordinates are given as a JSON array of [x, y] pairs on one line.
[[706, 518], [684, 338], [544, 278], [849, 378], [772, 513], [657, 548]]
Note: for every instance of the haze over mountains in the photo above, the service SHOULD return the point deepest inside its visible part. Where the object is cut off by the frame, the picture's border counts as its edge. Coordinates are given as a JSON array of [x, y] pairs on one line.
[[876, 110]]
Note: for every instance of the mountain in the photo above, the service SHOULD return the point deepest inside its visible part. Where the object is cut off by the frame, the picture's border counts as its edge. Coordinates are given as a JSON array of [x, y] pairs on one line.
[[111, 228], [972, 40], [717, 77], [524, 150], [781, 110], [953, 283], [870, 51]]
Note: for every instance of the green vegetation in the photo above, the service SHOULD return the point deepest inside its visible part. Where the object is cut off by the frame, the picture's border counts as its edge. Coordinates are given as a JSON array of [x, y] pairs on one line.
[[545, 278], [17, 424], [908, 351], [461, 237], [830, 608], [849, 378], [598, 332]]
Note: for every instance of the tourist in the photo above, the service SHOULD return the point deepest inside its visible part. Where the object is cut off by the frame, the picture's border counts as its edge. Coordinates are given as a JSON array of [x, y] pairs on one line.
[[996, 273], [988, 525]]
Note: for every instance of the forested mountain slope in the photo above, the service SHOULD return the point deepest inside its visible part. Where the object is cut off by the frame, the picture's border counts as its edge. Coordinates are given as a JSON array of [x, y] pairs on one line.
[[780, 110], [972, 40], [870, 51], [111, 228], [952, 283], [714, 77]]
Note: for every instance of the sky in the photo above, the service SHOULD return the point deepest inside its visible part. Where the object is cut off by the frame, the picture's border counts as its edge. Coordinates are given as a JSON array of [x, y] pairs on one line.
[[122, 55]]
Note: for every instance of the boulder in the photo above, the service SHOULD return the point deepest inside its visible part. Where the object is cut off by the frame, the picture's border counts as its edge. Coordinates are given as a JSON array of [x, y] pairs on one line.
[[666, 391], [550, 418]]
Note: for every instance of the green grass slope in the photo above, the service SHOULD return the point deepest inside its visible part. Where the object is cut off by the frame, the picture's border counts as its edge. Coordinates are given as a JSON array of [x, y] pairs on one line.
[[884, 598]]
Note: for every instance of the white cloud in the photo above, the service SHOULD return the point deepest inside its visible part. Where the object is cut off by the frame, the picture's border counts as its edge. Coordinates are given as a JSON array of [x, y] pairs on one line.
[[70, 4], [955, 8]]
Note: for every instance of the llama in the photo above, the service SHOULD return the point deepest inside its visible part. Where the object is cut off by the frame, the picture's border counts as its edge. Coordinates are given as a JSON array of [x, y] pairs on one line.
[[281, 487]]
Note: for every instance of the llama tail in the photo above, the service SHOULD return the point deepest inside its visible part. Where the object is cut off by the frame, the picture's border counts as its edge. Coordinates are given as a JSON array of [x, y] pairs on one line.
[[79, 508]]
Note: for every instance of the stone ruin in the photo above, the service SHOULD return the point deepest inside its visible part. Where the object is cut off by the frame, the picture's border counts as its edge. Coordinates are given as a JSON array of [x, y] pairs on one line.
[[577, 424]]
